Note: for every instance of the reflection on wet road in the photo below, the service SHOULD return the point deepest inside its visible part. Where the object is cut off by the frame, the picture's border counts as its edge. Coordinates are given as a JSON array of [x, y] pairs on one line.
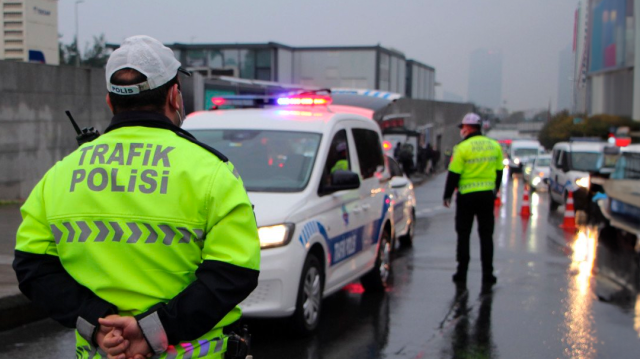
[[580, 334]]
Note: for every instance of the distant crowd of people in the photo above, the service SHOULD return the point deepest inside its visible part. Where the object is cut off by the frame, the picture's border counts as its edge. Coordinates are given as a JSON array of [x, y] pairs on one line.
[[427, 158]]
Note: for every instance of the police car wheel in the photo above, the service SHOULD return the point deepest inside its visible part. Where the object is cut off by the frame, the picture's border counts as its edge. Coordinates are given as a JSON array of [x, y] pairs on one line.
[[553, 205], [309, 303], [376, 280], [407, 239]]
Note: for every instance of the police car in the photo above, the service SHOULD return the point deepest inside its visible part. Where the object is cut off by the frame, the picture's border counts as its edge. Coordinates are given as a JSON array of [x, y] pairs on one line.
[[316, 175], [571, 165]]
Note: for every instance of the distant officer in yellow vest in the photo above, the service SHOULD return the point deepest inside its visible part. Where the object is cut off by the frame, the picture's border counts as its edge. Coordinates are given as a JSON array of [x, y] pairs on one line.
[[143, 240], [476, 171], [342, 163]]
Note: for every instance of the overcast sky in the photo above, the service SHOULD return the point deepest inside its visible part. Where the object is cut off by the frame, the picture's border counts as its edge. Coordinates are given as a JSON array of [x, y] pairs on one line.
[[440, 33]]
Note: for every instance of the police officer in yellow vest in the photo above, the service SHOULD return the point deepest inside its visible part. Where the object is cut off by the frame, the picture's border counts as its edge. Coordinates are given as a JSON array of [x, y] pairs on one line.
[[476, 171], [143, 240]]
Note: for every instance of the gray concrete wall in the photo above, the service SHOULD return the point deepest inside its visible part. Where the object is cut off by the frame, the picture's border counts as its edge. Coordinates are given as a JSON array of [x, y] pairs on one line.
[[34, 130], [444, 116]]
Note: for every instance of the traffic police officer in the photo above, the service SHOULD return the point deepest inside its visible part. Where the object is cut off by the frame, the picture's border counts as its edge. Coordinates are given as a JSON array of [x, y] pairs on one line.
[[144, 226], [476, 170]]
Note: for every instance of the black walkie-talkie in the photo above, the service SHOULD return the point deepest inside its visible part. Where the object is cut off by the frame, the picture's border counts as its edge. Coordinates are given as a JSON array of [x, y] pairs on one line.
[[86, 134]]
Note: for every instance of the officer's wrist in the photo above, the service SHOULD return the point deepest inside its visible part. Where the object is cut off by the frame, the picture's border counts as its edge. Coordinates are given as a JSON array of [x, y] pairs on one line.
[[153, 332]]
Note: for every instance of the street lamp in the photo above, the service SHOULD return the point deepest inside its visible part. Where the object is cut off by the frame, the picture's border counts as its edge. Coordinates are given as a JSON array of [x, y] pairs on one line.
[[77, 43]]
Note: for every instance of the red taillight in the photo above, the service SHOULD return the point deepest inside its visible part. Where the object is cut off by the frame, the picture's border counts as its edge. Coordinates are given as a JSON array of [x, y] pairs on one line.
[[386, 145]]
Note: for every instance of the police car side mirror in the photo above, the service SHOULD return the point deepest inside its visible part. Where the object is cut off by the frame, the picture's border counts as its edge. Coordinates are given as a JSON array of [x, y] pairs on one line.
[[341, 180]]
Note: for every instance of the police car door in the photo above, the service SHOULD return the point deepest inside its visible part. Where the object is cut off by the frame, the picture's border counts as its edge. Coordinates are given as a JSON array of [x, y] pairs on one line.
[[559, 175], [374, 201], [339, 212]]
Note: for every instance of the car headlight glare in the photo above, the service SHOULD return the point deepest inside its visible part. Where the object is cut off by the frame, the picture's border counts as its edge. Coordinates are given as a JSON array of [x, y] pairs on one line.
[[516, 161], [536, 181], [275, 236], [583, 182], [505, 162]]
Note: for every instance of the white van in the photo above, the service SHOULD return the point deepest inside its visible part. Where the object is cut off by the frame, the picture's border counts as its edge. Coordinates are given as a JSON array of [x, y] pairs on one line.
[[521, 152], [317, 178], [571, 165]]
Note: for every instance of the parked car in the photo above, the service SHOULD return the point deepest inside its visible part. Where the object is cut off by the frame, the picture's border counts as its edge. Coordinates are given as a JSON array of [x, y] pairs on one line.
[[621, 206], [404, 203], [317, 178]]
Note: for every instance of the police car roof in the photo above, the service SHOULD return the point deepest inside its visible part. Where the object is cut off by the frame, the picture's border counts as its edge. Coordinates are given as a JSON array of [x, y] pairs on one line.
[[289, 118]]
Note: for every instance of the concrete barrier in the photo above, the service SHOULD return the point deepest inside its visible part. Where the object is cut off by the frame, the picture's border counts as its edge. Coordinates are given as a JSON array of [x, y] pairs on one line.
[[34, 130]]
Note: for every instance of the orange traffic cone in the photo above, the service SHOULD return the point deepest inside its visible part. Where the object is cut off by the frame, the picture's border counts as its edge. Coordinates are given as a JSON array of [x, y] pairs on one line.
[[525, 210], [569, 223], [497, 202]]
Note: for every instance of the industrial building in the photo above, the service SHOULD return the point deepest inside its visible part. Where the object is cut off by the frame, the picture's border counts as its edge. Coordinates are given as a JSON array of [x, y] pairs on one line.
[[351, 67], [29, 31]]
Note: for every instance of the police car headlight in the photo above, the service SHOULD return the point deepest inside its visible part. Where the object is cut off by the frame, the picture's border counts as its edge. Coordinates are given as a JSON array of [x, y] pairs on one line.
[[583, 182], [275, 236], [516, 161]]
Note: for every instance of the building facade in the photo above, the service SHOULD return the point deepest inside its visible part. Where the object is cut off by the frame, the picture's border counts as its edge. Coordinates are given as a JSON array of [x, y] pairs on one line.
[[421, 81], [29, 31], [607, 35], [349, 67]]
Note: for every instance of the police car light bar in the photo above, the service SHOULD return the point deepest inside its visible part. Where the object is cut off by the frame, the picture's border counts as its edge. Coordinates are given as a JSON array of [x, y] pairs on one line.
[[305, 100], [260, 101]]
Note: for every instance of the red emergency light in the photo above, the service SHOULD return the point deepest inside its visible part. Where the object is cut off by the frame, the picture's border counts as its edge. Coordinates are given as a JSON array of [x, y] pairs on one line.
[[218, 101], [386, 145]]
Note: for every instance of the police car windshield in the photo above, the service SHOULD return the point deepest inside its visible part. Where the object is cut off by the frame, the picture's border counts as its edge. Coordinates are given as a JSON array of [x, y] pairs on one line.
[[591, 161], [267, 161]]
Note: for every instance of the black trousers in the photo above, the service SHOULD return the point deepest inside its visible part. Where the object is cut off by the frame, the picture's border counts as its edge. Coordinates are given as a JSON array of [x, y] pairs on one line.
[[468, 207]]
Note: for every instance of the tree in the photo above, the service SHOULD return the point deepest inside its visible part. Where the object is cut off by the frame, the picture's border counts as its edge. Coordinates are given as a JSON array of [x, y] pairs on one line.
[[95, 55]]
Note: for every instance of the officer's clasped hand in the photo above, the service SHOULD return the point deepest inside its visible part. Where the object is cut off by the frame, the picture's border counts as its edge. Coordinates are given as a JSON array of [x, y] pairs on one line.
[[121, 338]]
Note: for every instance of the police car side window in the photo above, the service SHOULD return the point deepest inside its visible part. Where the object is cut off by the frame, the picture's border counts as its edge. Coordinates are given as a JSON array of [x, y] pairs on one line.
[[369, 152], [338, 158], [557, 159]]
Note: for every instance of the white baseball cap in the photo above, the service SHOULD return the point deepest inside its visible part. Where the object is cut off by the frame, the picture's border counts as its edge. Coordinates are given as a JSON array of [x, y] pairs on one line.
[[147, 56], [471, 119]]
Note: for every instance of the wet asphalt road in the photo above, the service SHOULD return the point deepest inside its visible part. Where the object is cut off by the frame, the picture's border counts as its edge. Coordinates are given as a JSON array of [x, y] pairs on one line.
[[552, 299]]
